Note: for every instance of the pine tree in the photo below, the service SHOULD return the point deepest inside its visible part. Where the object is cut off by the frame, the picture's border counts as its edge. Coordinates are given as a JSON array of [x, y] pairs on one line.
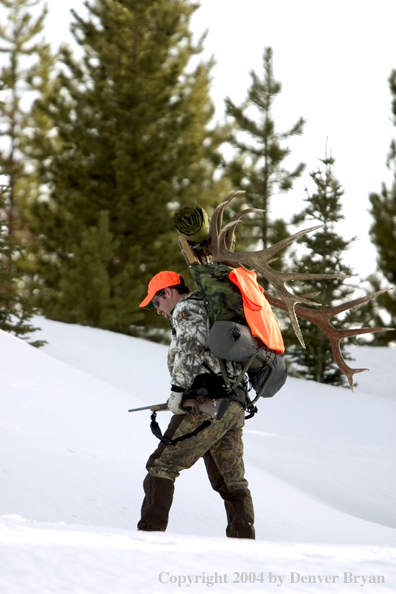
[[259, 166], [6, 277], [383, 236], [322, 254], [133, 139], [36, 124], [21, 51], [15, 311], [90, 294]]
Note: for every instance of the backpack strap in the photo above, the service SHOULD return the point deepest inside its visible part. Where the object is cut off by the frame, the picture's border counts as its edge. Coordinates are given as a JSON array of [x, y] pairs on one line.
[[226, 379], [261, 391]]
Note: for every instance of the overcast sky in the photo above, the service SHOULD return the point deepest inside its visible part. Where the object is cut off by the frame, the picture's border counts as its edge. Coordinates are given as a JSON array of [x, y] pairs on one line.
[[333, 60]]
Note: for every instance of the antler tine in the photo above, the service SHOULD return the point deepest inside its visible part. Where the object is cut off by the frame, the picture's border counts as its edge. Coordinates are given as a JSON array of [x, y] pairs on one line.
[[217, 216], [227, 234], [269, 252], [229, 229], [335, 336], [340, 361], [322, 320], [242, 213], [290, 304], [355, 302]]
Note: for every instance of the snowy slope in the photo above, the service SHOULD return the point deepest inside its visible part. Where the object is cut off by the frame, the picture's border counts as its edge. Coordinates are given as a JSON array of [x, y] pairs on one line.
[[320, 462]]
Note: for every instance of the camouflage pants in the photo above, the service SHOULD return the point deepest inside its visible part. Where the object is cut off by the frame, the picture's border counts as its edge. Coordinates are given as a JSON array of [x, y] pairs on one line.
[[221, 446]]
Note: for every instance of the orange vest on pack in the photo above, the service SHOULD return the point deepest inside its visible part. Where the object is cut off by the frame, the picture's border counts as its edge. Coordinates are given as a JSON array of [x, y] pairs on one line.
[[257, 310]]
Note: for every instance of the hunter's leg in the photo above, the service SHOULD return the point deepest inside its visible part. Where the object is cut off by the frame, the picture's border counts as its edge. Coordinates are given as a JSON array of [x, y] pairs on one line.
[[158, 491], [218, 484], [227, 454]]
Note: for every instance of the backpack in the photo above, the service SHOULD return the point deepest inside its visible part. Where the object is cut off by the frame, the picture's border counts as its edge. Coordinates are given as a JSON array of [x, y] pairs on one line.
[[230, 338]]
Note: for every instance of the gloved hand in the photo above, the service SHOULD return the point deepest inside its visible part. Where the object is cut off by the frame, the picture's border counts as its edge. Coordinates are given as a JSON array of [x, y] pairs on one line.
[[174, 403]]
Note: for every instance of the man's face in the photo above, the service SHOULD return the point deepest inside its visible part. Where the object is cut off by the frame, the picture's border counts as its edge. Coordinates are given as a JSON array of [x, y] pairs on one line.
[[166, 302]]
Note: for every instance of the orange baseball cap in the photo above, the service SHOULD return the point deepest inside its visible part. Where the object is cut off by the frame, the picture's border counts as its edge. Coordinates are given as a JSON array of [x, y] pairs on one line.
[[160, 281]]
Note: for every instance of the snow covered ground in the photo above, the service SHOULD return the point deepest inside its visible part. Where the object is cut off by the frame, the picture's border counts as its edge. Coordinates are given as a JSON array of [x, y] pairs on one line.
[[320, 461]]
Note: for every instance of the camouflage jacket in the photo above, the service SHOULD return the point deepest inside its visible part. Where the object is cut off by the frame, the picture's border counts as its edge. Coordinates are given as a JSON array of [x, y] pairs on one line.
[[188, 351]]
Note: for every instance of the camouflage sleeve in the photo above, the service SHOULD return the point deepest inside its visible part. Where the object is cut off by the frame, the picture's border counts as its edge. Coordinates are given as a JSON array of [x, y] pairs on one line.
[[187, 350]]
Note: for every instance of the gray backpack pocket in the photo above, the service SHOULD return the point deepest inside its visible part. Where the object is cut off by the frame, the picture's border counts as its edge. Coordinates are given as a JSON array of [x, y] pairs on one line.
[[234, 342]]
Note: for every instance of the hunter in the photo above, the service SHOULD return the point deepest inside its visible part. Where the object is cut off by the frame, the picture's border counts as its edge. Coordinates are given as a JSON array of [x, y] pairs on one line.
[[193, 367]]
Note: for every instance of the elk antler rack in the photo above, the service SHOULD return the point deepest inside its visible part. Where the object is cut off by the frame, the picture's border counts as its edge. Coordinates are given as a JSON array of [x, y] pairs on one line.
[[219, 249]]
